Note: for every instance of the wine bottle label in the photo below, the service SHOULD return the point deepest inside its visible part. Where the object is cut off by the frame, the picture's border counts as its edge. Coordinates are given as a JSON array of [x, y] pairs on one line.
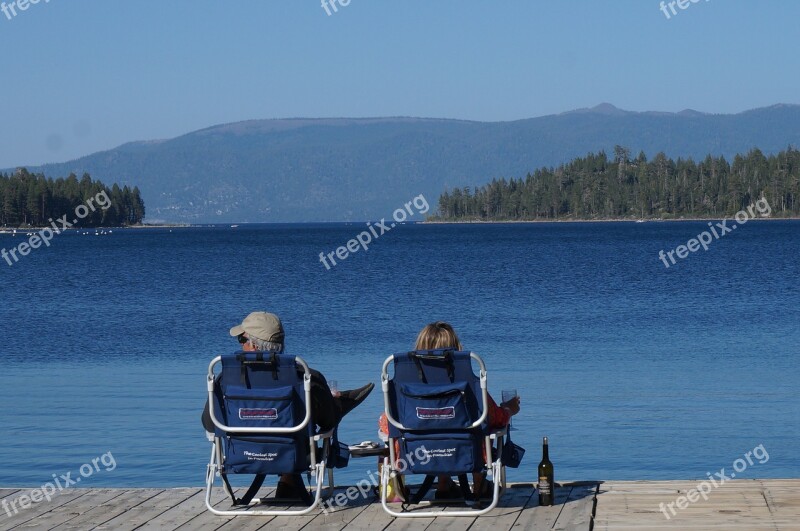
[[544, 486]]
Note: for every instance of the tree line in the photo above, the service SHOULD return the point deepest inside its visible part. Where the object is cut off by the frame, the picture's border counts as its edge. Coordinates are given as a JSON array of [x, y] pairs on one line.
[[28, 199], [599, 187]]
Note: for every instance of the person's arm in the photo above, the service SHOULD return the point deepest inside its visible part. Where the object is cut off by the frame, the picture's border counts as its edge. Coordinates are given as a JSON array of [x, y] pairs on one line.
[[205, 418], [323, 406], [500, 416]]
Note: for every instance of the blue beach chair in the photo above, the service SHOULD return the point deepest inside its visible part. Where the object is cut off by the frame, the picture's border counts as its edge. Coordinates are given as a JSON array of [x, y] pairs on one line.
[[261, 408], [437, 410]]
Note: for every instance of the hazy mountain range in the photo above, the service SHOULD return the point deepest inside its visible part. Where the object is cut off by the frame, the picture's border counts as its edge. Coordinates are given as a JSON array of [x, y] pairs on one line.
[[359, 169]]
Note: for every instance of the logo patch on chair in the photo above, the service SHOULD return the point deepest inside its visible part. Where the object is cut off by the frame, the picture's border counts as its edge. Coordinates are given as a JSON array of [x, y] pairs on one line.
[[436, 413], [258, 413]]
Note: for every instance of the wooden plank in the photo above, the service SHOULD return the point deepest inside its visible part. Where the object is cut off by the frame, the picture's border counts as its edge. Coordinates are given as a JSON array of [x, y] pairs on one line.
[[208, 520], [578, 509], [7, 493], [205, 519], [466, 522], [64, 507], [719, 527], [433, 523], [452, 522], [99, 514], [141, 514], [373, 518], [414, 524], [535, 517], [247, 523], [295, 523], [180, 514], [623, 506], [783, 502], [339, 517], [676, 486], [507, 511], [745, 504]]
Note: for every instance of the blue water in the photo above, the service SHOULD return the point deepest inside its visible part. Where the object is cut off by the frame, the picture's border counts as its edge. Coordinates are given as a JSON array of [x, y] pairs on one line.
[[633, 370]]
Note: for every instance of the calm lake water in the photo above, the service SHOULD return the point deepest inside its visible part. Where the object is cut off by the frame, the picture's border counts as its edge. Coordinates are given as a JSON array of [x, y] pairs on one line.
[[633, 370]]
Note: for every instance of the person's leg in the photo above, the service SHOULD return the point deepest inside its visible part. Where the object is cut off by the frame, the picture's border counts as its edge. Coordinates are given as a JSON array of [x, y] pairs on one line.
[[477, 484], [447, 489], [482, 487], [347, 401], [205, 418], [289, 486]]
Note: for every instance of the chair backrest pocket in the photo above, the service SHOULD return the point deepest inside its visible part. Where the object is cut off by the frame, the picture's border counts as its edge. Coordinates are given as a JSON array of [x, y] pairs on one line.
[[433, 406], [264, 455], [261, 408], [441, 454]]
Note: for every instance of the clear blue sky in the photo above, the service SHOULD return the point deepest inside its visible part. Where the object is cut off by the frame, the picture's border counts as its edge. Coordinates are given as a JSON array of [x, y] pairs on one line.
[[79, 77]]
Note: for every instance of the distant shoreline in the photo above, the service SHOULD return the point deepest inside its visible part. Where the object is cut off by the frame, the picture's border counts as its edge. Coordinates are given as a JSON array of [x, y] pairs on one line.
[[23, 230], [616, 220], [5, 230]]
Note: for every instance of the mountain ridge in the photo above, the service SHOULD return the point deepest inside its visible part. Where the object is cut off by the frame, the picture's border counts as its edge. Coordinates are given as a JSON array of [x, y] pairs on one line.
[[346, 169]]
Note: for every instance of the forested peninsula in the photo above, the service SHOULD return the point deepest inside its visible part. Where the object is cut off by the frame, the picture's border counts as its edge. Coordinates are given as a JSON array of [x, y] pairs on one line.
[[599, 187], [28, 199]]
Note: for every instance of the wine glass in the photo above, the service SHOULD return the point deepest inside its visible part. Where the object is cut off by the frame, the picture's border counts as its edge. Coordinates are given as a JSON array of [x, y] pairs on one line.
[[334, 387], [508, 395]]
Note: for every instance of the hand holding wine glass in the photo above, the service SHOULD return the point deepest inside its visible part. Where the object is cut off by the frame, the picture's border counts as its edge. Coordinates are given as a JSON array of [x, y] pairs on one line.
[[510, 401]]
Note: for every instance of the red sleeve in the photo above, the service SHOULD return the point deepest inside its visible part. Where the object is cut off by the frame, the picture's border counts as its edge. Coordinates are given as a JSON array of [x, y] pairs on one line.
[[498, 416]]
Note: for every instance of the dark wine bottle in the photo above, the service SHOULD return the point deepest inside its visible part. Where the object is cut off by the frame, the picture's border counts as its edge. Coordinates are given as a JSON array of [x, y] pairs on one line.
[[547, 488]]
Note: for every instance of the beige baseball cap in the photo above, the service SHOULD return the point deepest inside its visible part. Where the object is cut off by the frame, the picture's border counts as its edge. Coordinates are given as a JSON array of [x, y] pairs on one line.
[[262, 325]]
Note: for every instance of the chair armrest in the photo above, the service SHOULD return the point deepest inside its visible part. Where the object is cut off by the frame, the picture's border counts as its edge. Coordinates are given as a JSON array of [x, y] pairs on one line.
[[324, 435], [500, 432]]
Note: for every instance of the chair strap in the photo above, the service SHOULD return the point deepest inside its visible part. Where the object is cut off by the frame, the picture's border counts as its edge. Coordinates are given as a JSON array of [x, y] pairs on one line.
[[304, 495], [427, 483], [448, 359], [420, 372], [463, 482], [273, 362], [251, 492]]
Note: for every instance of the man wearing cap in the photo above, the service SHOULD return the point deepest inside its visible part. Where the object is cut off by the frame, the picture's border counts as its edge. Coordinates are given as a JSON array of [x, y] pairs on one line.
[[263, 332]]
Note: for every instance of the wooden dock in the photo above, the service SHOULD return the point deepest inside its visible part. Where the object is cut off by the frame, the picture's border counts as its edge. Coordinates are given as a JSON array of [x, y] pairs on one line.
[[752, 505]]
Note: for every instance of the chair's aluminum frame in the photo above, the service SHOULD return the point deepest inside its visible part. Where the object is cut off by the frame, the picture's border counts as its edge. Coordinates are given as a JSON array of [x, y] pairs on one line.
[[316, 469], [495, 469]]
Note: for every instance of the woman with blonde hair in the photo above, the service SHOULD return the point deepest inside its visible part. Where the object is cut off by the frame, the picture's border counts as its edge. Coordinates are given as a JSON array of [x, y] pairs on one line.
[[441, 335]]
